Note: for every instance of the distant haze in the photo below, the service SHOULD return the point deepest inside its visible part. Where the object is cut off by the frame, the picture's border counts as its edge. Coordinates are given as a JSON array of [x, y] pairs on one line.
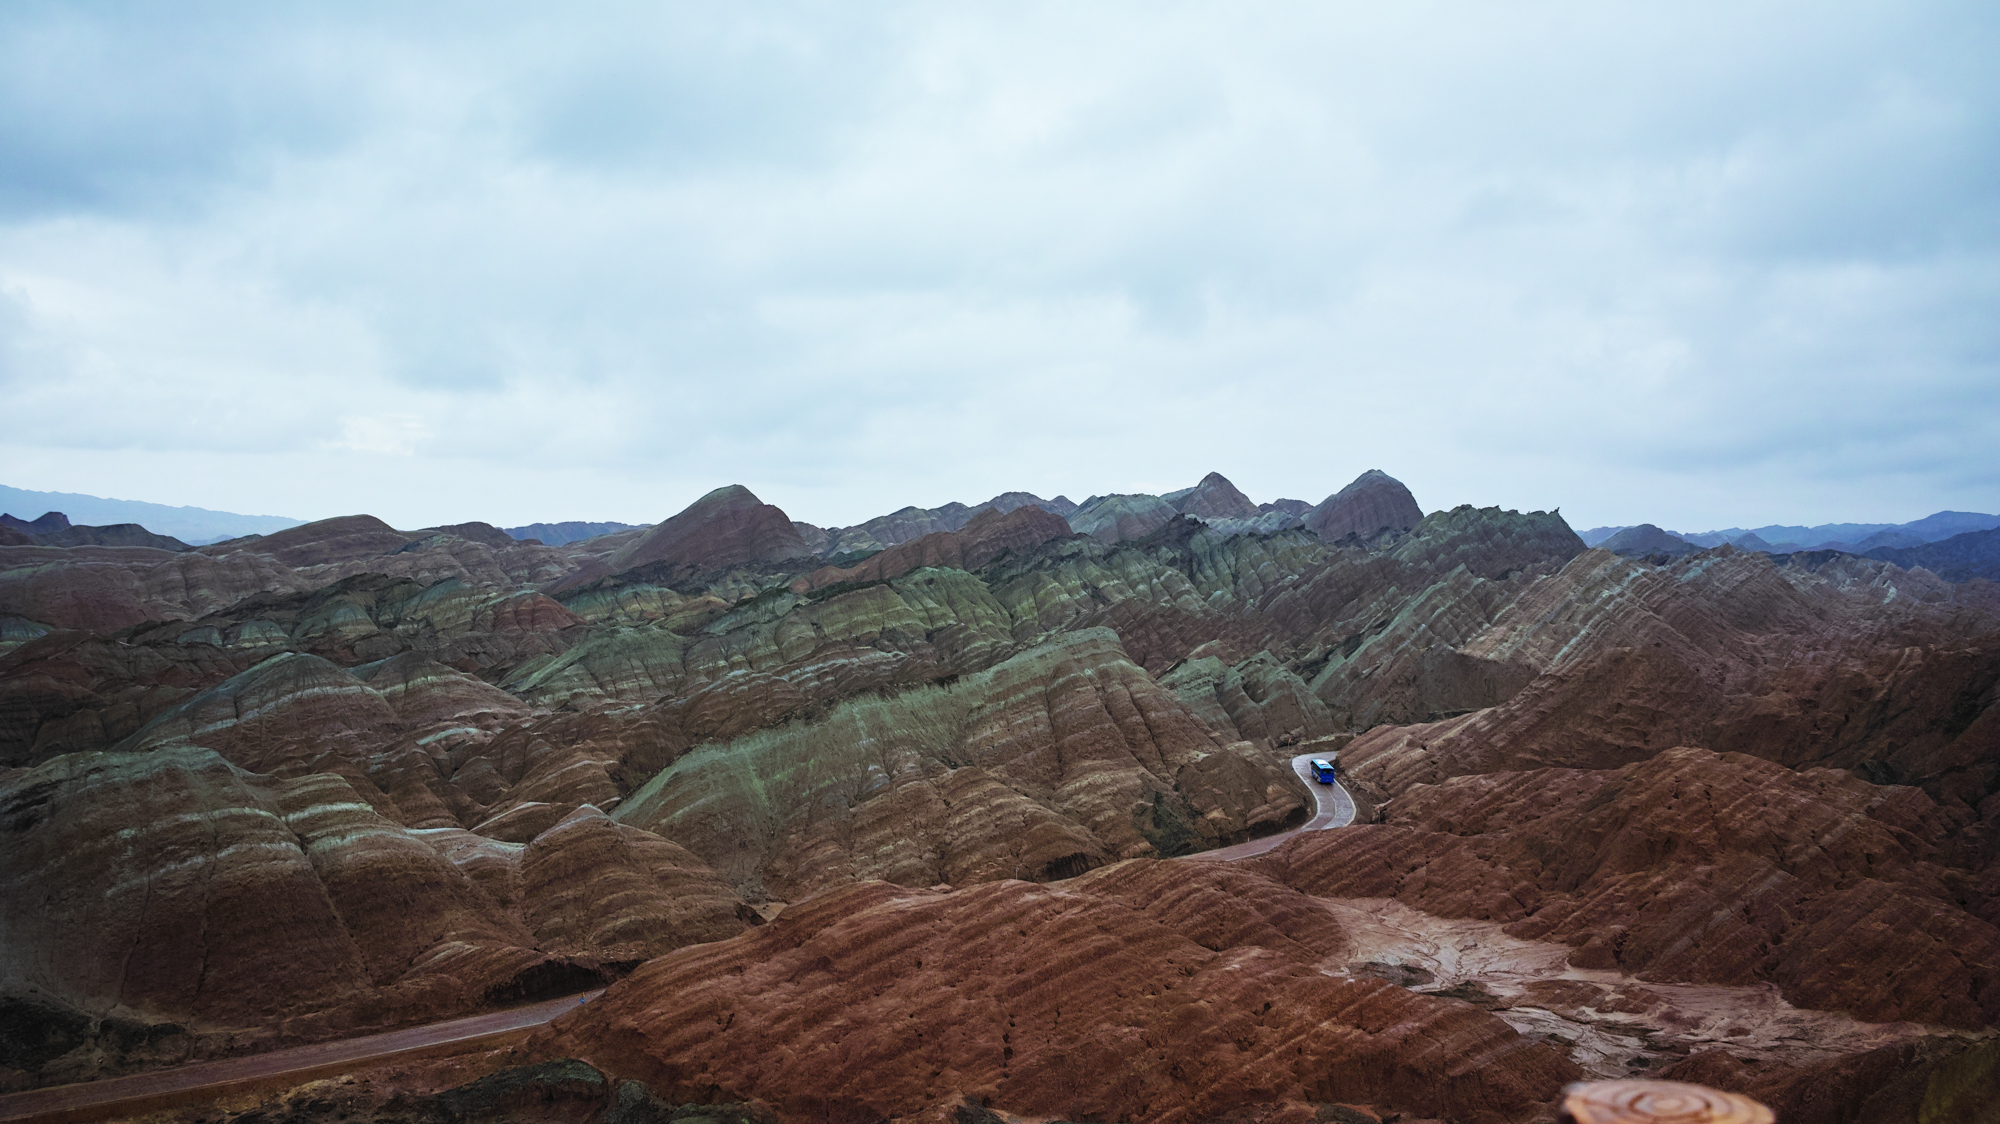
[[189, 524], [1699, 265]]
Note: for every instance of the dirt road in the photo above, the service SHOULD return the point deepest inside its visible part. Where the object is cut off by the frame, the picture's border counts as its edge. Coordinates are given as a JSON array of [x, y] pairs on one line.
[[203, 1081]]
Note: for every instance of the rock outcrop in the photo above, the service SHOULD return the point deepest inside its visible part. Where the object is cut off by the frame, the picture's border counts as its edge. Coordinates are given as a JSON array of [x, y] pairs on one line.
[[173, 885], [912, 523], [727, 527], [78, 691], [92, 598], [1214, 498], [1057, 760], [1374, 502], [599, 892], [1916, 1081], [1489, 543], [1619, 660], [325, 541], [177, 891], [1111, 519], [1258, 699], [984, 538], [270, 715], [1008, 501], [897, 527], [817, 539]]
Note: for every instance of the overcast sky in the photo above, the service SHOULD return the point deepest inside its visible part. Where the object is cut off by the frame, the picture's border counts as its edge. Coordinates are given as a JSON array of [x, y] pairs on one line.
[[1692, 264]]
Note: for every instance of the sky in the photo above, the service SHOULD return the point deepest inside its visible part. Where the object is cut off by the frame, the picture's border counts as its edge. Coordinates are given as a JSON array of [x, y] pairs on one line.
[[1693, 264]]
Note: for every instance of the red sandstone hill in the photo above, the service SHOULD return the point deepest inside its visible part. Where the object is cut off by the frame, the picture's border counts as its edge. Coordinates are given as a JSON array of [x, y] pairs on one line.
[[726, 527], [328, 540], [1121, 518], [1698, 867], [1142, 992], [1851, 666], [174, 888], [1375, 501], [909, 523], [92, 598], [1214, 498], [1057, 760], [980, 541]]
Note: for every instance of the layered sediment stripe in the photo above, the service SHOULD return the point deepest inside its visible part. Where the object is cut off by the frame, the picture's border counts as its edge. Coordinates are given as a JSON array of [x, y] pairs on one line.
[[1694, 866], [897, 1001]]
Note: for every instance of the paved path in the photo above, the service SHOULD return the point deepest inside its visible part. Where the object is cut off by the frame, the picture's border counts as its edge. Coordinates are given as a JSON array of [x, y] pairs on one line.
[[1335, 809], [200, 1082], [205, 1081]]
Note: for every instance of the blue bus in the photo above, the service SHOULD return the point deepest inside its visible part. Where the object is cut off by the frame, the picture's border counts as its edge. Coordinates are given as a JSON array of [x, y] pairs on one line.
[[1323, 770]]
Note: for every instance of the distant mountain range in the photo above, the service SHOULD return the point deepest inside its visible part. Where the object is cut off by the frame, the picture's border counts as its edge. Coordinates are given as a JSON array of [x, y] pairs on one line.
[[69, 518], [55, 529], [561, 534], [1975, 554], [1853, 538], [192, 525], [1932, 542], [199, 526]]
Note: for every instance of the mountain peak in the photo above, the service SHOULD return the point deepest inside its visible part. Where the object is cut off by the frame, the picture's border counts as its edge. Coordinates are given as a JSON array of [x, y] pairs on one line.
[[727, 527], [1647, 539], [1216, 498], [1374, 501]]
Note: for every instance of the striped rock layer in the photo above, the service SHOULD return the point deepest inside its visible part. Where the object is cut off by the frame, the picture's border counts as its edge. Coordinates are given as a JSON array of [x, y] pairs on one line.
[[1143, 991], [458, 767]]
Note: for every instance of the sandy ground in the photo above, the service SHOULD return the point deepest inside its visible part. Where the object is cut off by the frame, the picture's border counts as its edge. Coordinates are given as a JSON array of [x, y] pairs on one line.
[[1611, 1024]]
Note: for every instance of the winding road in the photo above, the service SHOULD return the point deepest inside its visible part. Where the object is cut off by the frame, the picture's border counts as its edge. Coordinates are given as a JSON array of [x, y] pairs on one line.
[[200, 1082], [1335, 808]]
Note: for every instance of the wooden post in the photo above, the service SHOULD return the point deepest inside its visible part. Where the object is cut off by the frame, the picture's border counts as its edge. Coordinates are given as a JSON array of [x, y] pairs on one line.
[[1657, 1102]]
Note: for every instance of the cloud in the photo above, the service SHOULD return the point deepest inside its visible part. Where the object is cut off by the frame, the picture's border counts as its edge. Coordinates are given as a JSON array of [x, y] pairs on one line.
[[1696, 265], [397, 435]]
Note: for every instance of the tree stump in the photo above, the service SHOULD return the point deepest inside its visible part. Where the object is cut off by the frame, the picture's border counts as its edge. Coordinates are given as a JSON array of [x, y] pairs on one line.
[[1657, 1102]]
